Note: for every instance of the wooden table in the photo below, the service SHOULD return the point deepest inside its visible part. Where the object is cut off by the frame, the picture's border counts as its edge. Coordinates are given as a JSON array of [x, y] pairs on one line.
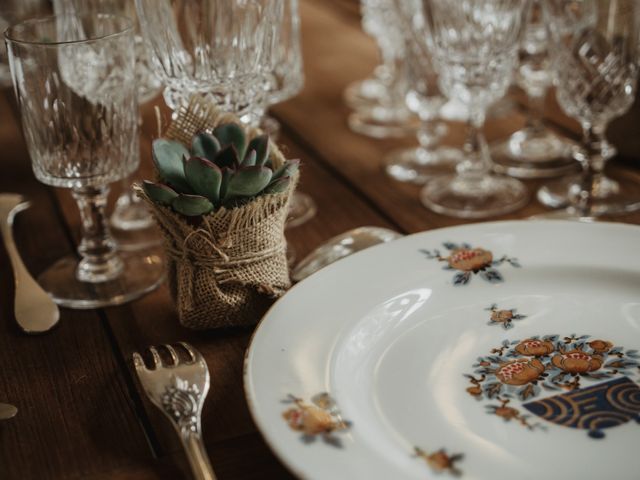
[[82, 413]]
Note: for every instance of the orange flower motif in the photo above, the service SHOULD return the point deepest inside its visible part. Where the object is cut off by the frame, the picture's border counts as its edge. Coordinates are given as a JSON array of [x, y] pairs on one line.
[[469, 259], [577, 361], [600, 346], [310, 420], [501, 316], [508, 413], [535, 348], [519, 371], [440, 461], [476, 391]]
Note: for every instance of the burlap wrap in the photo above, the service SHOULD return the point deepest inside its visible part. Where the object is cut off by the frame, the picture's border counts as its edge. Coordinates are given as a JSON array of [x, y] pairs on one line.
[[226, 269]]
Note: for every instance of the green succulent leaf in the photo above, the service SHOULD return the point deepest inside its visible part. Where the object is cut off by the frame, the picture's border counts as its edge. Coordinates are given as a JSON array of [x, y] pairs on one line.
[[287, 170], [191, 205], [248, 181], [159, 193], [227, 173], [278, 186], [227, 158], [205, 145], [204, 177], [167, 157], [231, 134], [261, 146], [250, 159]]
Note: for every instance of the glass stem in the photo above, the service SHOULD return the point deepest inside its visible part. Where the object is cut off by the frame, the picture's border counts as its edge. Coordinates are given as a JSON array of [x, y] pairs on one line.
[[593, 165], [536, 111], [477, 161], [100, 261]]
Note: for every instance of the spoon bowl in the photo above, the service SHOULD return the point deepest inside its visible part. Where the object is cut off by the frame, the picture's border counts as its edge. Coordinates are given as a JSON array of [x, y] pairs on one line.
[[341, 246]]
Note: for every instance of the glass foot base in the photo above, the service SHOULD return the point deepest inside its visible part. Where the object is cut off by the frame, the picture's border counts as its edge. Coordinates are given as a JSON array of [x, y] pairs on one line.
[[418, 165], [136, 240], [140, 275], [130, 214], [483, 197], [363, 93], [526, 154], [301, 209], [291, 255], [570, 214], [384, 122], [614, 195]]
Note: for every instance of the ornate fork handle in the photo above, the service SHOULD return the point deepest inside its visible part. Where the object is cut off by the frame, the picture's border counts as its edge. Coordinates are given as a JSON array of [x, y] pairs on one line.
[[182, 403], [197, 455]]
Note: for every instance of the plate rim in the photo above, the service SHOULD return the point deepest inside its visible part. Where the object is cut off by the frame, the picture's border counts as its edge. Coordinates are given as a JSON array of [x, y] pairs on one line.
[[249, 392]]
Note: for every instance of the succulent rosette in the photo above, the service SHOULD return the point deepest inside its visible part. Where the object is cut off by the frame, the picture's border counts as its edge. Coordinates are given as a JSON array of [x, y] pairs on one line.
[[221, 169]]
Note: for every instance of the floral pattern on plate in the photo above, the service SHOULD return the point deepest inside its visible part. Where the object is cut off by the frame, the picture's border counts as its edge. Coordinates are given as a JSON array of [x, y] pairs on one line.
[[440, 461], [503, 317], [321, 418], [469, 261], [522, 370]]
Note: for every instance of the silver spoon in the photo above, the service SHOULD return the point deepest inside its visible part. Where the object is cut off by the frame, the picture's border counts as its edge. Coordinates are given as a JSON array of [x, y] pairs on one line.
[[341, 246], [7, 411], [34, 309]]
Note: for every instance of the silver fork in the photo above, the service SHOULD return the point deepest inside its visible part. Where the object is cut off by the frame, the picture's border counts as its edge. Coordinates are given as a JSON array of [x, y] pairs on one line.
[[179, 390]]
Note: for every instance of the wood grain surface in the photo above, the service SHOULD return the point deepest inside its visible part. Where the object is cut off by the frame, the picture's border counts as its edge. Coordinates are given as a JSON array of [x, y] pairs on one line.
[[82, 413]]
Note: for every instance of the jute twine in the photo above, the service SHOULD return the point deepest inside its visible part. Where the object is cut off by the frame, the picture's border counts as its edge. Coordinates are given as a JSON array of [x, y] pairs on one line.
[[225, 269]]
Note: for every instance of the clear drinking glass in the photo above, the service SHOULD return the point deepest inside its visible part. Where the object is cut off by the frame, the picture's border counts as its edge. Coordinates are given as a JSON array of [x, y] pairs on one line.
[[130, 213], [223, 49], [286, 79], [474, 49], [421, 163], [534, 151], [379, 104], [74, 78], [595, 53]]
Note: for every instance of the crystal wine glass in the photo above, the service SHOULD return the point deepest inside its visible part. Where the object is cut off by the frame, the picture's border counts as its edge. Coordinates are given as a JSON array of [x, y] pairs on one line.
[[74, 77], [474, 48], [287, 78], [130, 213], [534, 151], [421, 163], [384, 113], [595, 53], [222, 49]]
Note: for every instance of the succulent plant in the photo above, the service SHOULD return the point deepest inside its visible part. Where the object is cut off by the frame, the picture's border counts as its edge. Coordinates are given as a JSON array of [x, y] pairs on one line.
[[221, 168]]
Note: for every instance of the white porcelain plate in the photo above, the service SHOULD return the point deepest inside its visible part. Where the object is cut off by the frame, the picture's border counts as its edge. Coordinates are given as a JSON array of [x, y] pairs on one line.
[[491, 351]]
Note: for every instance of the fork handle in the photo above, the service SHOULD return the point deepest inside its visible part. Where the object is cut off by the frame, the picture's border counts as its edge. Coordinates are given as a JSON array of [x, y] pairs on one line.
[[197, 456]]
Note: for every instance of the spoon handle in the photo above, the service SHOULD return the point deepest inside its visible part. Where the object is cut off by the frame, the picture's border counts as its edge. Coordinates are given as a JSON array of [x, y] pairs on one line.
[[34, 310], [7, 411]]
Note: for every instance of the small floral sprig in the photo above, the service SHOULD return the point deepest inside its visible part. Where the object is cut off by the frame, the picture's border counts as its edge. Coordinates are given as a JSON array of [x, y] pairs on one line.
[[440, 461], [321, 419], [503, 317], [469, 261]]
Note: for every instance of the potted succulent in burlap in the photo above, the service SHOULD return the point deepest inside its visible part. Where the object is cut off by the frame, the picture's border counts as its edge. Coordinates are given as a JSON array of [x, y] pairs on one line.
[[221, 201]]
